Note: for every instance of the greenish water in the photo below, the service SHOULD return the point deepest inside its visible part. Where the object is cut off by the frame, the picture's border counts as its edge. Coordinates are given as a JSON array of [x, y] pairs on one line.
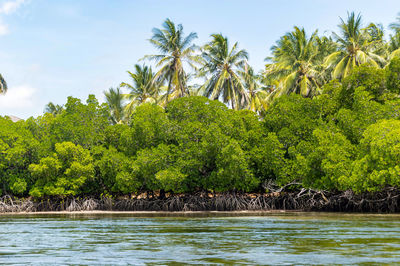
[[279, 238]]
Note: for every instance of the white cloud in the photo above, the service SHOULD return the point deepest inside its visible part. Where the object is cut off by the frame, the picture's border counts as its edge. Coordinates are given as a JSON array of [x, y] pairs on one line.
[[18, 97], [7, 8], [10, 6], [3, 28]]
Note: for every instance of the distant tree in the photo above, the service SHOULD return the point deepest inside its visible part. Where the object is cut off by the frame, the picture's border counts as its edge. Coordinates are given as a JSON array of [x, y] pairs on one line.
[[395, 26], [295, 61], [258, 96], [175, 48], [53, 109], [221, 68], [3, 85], [142, 89], [394, 42], [356, 47], [114, 99]]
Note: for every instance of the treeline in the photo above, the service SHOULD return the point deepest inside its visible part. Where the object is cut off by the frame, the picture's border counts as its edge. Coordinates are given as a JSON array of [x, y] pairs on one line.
[[300, 63], [348, 137], [324, 114]]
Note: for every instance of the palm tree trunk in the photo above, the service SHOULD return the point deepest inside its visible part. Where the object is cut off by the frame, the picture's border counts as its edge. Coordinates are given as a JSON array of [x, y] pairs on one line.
[[233, 102], [169, 88]]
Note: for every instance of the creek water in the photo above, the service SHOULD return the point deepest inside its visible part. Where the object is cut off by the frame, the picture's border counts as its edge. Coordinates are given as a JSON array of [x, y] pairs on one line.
[[200, 238]]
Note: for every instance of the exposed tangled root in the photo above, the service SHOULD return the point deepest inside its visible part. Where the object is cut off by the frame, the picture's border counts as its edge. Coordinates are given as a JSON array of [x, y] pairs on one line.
[[9, 204], [386, 201]]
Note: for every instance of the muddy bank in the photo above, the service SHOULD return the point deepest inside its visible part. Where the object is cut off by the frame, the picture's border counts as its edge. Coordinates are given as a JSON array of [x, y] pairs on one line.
[[386, 201]]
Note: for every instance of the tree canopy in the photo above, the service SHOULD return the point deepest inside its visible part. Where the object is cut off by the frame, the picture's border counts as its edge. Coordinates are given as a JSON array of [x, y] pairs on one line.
[[323, 115]]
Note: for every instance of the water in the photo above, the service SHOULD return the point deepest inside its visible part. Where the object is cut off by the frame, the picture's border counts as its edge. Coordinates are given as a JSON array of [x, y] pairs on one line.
[[173, 239]]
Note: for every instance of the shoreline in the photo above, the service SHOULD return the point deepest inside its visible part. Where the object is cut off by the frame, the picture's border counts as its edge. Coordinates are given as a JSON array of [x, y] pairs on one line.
[[101, 212], [199, 214], [387, 201]]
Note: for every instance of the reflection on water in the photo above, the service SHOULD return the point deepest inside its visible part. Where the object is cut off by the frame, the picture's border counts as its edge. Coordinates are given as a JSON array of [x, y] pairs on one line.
[[215, 238]]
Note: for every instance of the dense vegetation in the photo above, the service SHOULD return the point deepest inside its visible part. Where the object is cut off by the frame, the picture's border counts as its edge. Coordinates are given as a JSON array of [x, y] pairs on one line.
[[320, 116]]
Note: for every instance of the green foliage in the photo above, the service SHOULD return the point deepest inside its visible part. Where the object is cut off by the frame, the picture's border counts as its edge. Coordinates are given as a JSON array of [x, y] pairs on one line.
[[336, 141], [322, 162], [267, 159], [329, 102], [64, 173], [364, 112], [344, 135], [196, 108], [293, 118], [113, 135], [371, 78], [148, 163], [18, 149], [232, 170], [108, 164], [379, 158], [171, 179], [82, 124], [393, 75], [333, 155], [148, 128]]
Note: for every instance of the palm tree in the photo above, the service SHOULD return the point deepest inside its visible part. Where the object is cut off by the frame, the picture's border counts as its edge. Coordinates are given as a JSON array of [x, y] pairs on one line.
[[326, 46], [394, 45], [221, 69], [394, 40], [192, 90], [356, 47], [142, 89], [115, 99], [3, 85], [175, 49], [375, 35], [395, 26], [258, 96], [53, 109], [295, 64]]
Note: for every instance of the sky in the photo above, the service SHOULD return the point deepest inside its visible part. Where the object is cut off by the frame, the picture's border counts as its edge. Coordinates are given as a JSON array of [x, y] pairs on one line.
[[50, 50]]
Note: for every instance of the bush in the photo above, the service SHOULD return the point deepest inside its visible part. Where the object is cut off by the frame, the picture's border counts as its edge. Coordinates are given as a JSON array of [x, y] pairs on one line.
[[64, 173]]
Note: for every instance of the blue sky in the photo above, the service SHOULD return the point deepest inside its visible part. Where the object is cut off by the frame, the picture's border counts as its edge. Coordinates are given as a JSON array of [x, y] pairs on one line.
[[50, 50]]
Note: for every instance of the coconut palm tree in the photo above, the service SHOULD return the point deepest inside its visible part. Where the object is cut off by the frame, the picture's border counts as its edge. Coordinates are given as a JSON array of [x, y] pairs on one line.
[[394, 42], [296, 60], [53, 109], [356, 47], [326, 46], [115, 101], [221, 69], [3, 85], [379, 46], [258, 96], [175, 50], [143, 88], [192, 90], [395, 26], [394, 45]]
